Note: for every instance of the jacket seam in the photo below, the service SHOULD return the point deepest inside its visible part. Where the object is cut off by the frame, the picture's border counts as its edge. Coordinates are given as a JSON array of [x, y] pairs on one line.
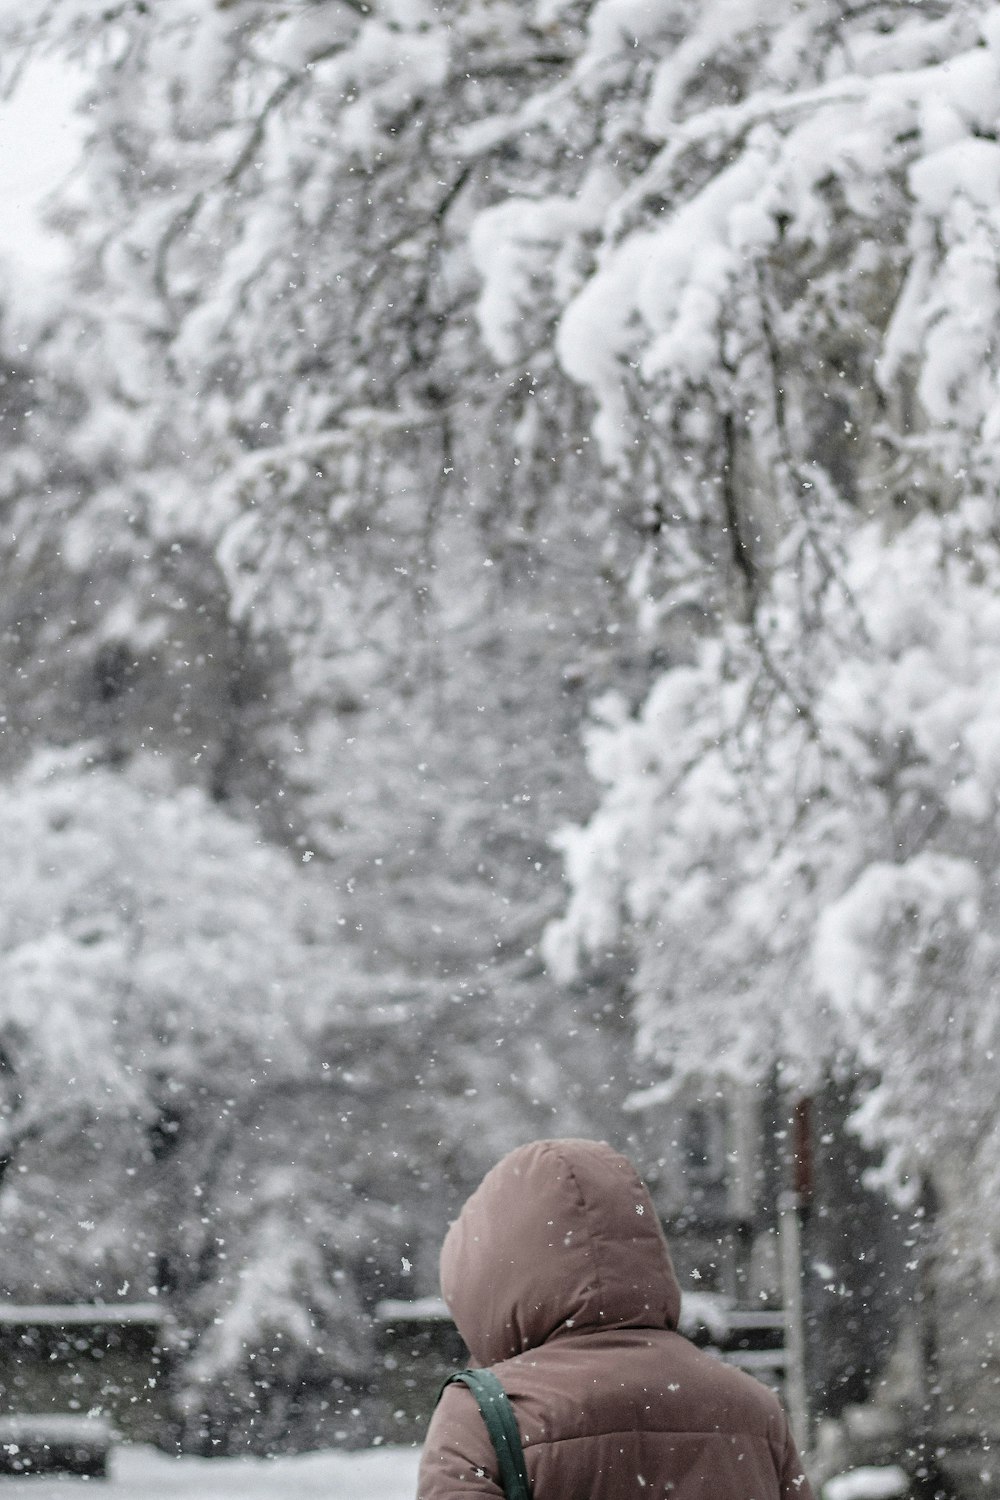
[[581, 1199]]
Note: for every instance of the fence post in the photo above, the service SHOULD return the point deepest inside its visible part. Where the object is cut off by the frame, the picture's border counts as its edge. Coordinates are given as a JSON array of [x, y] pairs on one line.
[[789, 1231]]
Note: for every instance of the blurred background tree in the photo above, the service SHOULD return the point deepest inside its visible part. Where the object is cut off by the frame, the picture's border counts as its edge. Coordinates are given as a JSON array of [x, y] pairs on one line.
[[433, 378]]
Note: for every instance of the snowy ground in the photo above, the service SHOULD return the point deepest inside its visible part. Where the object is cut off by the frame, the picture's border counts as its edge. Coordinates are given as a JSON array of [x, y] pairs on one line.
[[143, 1474]]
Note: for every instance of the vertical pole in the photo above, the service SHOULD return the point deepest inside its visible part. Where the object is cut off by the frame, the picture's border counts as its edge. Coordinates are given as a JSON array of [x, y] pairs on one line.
[[789, 1231], [803, 1171]]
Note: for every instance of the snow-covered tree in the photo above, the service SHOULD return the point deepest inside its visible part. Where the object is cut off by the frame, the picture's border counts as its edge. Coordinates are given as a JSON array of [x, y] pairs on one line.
[[413, 315], [789, 330], [148, 943], [195, 1074], [293, 465], [807, 884], [161, 970], [282, 381]]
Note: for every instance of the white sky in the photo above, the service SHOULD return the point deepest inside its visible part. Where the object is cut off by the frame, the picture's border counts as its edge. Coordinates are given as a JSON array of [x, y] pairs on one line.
[[39, 144]]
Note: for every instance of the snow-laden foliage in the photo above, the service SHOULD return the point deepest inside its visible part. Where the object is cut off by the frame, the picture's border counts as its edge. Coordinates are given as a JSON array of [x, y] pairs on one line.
[[162, 969], [195, 1077], [291, 1311], [788, 325], [272, 329], [394, 307], [273, 213], [807, 881], [775, 274], [756, 240], [148, 943]]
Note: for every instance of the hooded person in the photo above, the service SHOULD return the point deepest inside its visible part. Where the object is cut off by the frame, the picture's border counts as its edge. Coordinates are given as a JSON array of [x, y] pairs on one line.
[[558, 1276]]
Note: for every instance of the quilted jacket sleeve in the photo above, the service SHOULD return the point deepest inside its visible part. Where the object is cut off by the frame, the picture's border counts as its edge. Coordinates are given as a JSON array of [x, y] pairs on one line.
[[792, 1478], [458, 1462]]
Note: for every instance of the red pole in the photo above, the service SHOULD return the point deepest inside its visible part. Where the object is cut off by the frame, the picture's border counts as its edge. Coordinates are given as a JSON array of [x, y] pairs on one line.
[[803, 1175]]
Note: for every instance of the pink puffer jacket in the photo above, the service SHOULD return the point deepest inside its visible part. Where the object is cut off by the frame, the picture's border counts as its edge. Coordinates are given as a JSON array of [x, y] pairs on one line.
[[558, 1276]]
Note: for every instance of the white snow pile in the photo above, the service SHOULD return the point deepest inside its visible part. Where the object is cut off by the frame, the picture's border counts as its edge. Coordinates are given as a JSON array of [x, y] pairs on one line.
[[375, 1474], [869, 1483]]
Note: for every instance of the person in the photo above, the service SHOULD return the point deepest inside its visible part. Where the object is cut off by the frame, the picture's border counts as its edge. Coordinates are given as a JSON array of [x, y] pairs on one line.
[[558, 1276]]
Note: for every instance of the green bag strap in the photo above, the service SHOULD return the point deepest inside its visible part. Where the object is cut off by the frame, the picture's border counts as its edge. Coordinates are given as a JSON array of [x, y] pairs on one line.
[[498, 1414]]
